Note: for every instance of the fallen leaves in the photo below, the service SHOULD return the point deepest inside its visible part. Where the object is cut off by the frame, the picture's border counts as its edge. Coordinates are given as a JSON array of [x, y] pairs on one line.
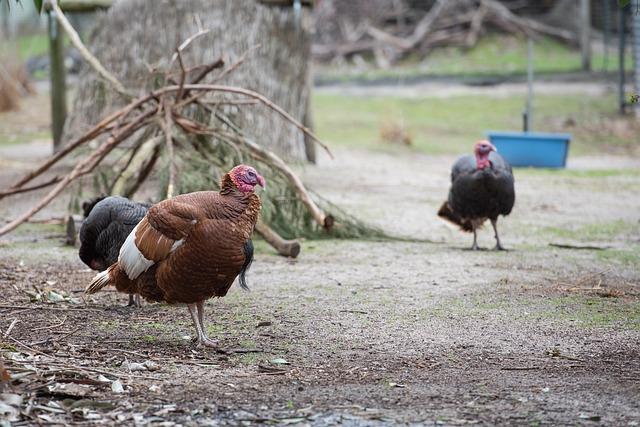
[[10, 406], [117, 387], [49, 295]]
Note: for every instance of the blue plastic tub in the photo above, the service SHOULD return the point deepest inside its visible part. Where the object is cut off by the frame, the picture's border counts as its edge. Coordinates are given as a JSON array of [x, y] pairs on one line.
[[541, 150]]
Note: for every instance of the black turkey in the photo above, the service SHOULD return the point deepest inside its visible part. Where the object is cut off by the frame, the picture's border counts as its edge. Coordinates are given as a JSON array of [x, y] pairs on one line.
[[108, 221], [482, 187]]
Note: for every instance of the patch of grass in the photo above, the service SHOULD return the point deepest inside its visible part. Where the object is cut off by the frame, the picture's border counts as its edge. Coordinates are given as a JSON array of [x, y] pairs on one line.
[[249, 359], [164, 327], [149, 338], [591, 312], [451, 125], [23, 137], [627, 257], [38, 229], [32, 45], [578, 173], [108, 325], [595, 231], [578, 310], [8, 347], [216, 329], [494, 55]]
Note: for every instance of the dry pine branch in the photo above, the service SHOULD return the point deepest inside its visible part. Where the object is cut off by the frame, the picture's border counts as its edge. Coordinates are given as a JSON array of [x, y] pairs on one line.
[[159, 112]]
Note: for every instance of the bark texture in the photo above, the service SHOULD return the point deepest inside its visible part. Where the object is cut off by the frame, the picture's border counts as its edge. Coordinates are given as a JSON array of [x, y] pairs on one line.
[[135, 37]]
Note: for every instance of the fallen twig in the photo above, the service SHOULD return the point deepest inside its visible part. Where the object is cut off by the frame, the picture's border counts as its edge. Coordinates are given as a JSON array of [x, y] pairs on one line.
[[580, 247]]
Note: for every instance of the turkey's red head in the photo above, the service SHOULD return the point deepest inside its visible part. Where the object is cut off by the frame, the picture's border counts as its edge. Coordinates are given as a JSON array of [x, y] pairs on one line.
[[482, 149], [246, 178]]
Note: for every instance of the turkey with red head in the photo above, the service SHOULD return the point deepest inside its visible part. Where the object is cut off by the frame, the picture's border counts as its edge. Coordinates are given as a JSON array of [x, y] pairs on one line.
[[482, 187], [191, 247]]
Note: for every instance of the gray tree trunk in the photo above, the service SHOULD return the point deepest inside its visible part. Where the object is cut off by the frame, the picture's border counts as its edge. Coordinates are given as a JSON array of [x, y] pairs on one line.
[[135, 36]]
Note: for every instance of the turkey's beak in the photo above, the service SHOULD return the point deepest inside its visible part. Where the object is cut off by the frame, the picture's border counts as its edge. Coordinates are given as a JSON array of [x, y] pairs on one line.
[[493, 148], [262, 182]]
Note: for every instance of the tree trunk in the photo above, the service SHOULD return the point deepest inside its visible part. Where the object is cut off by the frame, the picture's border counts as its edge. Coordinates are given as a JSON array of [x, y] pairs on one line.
[[134, 35]]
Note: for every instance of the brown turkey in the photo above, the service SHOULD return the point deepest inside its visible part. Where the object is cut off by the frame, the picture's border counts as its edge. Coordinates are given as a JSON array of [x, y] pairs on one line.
[[191, 247], [482, 187]]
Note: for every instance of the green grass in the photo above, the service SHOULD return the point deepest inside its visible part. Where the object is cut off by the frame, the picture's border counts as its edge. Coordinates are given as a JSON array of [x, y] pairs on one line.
[[626, 257], [577, 310], [579, 173], [27, 46], [494, 55], [450, 126], [32, 45], [590, 312], [596, 231], [23, 138]]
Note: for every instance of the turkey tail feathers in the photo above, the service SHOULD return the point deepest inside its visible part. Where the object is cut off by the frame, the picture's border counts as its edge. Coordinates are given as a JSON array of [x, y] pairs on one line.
[[99, 281], [448, 214], [248, 259]]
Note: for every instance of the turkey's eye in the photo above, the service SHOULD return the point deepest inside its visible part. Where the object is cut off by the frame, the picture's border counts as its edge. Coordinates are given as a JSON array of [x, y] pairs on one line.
[[251, 174]]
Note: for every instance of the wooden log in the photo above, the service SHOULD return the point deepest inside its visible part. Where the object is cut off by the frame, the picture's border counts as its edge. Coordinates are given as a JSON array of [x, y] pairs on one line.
[[288, 248]]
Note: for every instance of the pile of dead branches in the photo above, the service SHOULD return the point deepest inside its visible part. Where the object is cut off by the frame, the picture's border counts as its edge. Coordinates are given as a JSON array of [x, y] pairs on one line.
[[182, 134], [402, 31]]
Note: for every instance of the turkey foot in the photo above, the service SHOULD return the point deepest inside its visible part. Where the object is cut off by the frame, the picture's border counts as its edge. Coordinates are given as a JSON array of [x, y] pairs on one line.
[[197, 315], [134, 301], [499, 247]]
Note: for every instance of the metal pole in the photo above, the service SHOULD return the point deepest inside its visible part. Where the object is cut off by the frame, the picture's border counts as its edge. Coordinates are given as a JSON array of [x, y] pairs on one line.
[[606, 31], [57, 81], [585, 34], [528, 108], [636, 58], [621, 48]]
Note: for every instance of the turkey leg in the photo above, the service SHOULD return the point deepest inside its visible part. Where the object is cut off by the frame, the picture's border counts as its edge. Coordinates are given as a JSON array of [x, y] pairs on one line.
[[134, 301], [197, 314], [475, 247], [499, 247]]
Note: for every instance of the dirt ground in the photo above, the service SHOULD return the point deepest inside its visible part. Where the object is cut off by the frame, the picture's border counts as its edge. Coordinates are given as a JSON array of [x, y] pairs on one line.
[[357, 333]]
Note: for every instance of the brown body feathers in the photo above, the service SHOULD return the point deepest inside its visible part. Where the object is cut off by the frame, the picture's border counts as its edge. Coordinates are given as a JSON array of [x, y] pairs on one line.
[[188, 248]]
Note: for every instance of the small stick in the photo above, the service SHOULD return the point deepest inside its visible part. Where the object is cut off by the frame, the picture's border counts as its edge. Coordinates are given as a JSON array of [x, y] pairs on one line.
[[186, 43], [236, 64], [10, 328], [183, 76], [52, 181], [41, 307], [53, 326], [166, 125]]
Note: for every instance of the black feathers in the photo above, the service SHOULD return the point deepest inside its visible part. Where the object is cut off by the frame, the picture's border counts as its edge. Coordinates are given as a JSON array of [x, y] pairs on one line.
[[248, 258], [479, 194], [89, 204], [107, 224]]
